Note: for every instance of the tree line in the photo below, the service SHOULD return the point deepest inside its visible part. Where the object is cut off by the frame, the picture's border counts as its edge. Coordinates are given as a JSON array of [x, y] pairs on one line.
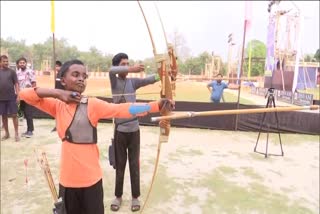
[[96, 60]]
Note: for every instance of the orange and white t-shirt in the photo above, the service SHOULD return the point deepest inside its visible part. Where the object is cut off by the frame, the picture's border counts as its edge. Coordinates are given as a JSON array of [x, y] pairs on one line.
[[80, 165]]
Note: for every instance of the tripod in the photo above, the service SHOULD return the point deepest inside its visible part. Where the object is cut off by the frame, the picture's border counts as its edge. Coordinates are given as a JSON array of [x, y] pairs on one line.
[[270, 103]]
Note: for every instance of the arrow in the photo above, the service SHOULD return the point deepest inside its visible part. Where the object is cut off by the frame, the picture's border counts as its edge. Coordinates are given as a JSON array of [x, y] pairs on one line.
[[181, 115]]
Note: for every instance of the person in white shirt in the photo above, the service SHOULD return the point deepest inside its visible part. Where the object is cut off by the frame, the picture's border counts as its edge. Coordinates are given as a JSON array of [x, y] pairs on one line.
[[26, 79]]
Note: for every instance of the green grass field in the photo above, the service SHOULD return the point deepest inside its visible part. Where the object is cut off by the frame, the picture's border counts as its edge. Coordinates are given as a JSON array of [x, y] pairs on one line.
[[185, 91]]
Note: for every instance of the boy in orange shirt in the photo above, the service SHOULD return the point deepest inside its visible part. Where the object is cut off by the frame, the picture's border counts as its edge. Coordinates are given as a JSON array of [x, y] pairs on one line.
[[77, 118]]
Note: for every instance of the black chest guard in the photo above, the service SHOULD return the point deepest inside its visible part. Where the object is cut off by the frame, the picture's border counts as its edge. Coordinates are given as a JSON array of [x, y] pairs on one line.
[[80, 130]]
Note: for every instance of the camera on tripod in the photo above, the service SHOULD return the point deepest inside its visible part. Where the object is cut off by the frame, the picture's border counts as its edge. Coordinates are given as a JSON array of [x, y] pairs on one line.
[[269, 92], [270, 103]]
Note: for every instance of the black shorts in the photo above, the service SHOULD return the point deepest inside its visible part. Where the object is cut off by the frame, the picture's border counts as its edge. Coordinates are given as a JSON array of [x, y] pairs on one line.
[[86, 200], [8, 107]]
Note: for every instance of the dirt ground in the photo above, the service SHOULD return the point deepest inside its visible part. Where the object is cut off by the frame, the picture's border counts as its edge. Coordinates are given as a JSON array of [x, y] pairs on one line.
[[200, 171]]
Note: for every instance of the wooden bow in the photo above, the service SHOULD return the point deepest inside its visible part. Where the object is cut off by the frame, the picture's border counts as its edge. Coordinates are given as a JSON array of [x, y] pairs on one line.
[[166, 92], [173, 71]]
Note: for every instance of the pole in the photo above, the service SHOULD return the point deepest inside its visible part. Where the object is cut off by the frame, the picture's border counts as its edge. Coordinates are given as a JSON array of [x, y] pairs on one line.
[[223, 78], [241, 71], [53, 39], [181, 115], [54, 57]]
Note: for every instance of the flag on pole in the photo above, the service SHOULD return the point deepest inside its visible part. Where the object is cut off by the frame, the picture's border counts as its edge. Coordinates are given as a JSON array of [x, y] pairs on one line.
[[298, 55], [270, 60], [248, 20], [248, 14], [52, 16]]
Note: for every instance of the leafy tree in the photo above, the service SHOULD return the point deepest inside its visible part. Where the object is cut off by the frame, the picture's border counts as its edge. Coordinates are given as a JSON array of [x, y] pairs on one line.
[[150, 66], [16, 49], [180, 45], [94, 59], [259, 50], [65, 52], [309, 58], [39, 54], [194, 65], [224, 68], [317, 55]]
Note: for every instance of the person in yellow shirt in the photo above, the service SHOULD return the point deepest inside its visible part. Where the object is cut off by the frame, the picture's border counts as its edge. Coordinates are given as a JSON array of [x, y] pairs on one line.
[[77, 116]]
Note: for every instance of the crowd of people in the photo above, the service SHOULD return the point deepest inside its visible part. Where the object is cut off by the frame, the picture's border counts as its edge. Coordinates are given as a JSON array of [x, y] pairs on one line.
[[11, 82]]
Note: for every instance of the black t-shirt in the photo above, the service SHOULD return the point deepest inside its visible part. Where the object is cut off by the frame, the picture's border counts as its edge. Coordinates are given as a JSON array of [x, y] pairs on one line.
[[8, 78]]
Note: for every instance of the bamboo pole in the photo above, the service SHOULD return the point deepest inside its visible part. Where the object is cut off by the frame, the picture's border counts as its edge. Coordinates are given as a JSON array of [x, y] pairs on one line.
[[215, 78], [181, 115]]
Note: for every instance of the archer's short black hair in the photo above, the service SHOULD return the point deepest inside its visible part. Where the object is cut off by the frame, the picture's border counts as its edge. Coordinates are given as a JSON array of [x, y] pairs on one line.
[[118, 57], [65, 67], [59, 63]]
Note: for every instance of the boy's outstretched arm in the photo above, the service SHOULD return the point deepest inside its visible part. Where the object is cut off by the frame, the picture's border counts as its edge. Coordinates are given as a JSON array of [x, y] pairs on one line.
[[124, 69], [106, 110], [141, 82], [140, 108]]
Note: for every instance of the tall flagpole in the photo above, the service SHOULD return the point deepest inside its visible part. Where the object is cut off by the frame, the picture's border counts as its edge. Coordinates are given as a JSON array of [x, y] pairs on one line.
[[247, 22], [53, 39], [241, 70]]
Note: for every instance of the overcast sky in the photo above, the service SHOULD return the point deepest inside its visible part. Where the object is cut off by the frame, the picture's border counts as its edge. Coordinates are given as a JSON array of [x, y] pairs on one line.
[[114, 27]]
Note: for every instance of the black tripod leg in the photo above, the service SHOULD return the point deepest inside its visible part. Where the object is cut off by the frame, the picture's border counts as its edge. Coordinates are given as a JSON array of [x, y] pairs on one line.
[[261, 123], [270, 103], [270, 100], [266, 154], [277, 120]]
